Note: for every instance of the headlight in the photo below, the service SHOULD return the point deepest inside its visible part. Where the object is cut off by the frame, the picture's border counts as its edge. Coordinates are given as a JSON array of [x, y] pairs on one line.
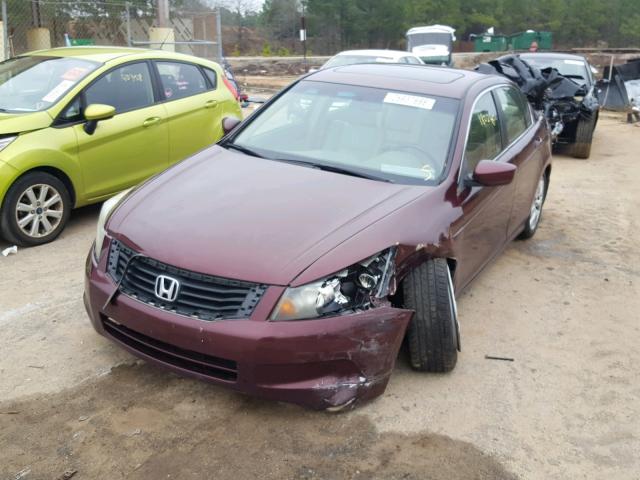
[[4, 142], [348, 290], [105, 212]]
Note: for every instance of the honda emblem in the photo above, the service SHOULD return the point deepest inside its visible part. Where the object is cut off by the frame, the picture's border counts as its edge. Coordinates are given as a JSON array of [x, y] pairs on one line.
[[167, 288]]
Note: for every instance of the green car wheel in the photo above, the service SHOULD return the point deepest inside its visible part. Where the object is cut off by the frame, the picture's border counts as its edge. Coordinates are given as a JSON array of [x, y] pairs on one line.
[[36, 210]]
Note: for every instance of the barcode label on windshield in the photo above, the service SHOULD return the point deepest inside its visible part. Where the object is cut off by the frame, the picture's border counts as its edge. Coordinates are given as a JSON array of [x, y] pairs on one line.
[[410, 100]]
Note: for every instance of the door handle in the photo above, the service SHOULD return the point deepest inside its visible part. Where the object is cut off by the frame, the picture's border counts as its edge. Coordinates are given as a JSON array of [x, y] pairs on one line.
[[211, 104], [150, 121]]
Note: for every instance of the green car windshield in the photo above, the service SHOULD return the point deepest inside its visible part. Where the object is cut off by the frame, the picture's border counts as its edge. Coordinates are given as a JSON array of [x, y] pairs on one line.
[[395, 136], [34, 83]]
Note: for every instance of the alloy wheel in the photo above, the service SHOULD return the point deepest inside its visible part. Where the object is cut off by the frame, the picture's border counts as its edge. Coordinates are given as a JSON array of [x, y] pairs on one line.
[[536, 206], [39, 210]]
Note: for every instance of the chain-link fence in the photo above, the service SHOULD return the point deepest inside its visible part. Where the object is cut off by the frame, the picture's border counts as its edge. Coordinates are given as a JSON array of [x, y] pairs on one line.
[[29, 25]]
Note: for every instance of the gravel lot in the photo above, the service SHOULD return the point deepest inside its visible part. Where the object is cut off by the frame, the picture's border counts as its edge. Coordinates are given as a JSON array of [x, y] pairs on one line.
[[564, 305]]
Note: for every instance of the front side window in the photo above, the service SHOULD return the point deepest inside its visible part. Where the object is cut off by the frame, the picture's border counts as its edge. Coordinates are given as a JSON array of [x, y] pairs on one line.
[[515, 112], [125, 88], [180, 80], [484, 140], [34, 83], [399, 136]]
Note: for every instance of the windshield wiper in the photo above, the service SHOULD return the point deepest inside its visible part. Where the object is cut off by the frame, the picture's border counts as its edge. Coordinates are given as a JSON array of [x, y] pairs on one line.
[[334, 169], [348, 171], [242, 149]]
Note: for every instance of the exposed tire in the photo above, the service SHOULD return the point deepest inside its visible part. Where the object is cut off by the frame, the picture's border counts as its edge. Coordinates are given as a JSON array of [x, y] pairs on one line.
[[35, 210], [584, 137], [535, 214], [432, 335]]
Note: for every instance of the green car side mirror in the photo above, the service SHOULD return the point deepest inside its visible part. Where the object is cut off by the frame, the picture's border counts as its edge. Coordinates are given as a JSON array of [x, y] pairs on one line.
[[95, 112]]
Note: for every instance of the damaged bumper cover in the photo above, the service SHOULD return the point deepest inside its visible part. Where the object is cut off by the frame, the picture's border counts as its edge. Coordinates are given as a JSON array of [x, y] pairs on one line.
[[326, 363]]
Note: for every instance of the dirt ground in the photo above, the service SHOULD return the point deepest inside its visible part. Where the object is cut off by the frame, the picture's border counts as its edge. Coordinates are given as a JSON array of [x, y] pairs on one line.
[[563, 305]]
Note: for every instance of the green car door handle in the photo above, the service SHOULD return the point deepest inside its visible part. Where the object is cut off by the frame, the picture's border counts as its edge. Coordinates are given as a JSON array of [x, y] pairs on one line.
[[150, 121], [211, 104]]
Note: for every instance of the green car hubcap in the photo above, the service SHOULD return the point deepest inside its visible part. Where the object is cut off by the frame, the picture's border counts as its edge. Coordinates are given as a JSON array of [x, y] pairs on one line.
[[39, 210]]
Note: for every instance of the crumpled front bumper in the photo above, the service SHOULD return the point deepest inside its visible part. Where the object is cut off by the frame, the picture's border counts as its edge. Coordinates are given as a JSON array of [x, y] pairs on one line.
[[323, 364]]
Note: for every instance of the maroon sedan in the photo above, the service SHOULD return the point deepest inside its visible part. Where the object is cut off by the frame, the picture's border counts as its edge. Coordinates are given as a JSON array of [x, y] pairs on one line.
[[291, 259]]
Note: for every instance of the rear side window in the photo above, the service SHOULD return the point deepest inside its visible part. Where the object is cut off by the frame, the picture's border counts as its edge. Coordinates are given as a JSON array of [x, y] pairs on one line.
[[412, 60], [180, 80], [126, 88], [484, 141], [515, 112], [213, 78]]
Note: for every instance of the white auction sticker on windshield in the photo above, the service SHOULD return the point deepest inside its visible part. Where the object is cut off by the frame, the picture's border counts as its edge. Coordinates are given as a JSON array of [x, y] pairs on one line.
[[410, 100], [58, 90], [573, 62]]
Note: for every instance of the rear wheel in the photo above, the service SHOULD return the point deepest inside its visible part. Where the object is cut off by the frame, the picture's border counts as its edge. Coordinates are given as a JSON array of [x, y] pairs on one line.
[[433, 334], [36, 210], [531, 225], [584, 137]]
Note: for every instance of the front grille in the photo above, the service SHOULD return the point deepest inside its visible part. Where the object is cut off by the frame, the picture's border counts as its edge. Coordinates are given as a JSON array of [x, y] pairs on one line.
[[200, 296], [215, 367]]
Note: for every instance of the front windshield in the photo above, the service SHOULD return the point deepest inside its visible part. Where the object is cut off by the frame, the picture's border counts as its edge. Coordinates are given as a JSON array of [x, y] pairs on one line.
[[396, 136], [30, 84], [576, 70], [431, 38], [341, 60]]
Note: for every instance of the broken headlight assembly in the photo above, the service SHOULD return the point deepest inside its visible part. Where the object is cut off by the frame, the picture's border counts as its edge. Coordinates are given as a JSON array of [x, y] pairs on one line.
[[351, 289], [105, 212]]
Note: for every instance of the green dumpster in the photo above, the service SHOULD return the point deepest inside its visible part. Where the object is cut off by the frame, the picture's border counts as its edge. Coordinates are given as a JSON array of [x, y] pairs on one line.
[[523, 40], [490, 43], [77, 42]]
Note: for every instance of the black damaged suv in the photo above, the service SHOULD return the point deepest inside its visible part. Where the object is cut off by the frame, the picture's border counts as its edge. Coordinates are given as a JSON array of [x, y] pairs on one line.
[[579, 116]]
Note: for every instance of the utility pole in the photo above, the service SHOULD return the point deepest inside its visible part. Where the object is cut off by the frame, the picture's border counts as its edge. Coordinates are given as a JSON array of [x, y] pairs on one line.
[[303, 36], [162, 9]]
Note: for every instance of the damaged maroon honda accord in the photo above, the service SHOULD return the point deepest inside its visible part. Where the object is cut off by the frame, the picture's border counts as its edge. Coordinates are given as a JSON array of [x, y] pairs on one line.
[[290, 260]]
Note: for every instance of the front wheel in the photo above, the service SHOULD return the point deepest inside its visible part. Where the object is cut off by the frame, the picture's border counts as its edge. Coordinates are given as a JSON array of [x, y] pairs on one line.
[[36, 210], [531, 225], [433, 333], [584, 137]]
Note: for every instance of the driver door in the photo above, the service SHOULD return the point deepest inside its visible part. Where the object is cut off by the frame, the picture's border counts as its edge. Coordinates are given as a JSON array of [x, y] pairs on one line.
[[131, 146], [481, 231]]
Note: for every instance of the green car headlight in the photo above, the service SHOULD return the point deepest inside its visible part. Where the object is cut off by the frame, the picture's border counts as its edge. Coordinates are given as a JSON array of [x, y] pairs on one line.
[[5, 141], [105, 212], [351, 289]]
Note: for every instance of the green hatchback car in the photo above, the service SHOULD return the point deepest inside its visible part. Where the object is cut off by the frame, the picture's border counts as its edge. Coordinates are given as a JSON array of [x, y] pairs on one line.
[[80, 124]]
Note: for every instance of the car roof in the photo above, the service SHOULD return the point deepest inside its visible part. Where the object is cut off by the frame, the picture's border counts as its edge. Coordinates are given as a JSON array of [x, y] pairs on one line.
[[559, 56], [106, 54], [395, 54], [421, 79], [431, 29]]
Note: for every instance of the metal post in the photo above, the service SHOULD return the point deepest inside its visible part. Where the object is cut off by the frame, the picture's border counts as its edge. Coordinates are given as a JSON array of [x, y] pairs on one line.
[[127, 6], [163, 13], [5, 31], [219, 34]]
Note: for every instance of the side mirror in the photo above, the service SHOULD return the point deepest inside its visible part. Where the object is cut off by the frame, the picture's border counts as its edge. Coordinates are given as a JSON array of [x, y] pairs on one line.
[[96, 112], [229, 123], [492, 174]]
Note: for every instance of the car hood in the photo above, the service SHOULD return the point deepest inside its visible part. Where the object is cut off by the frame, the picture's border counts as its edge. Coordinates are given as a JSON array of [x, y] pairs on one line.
[[23, 122], [228, 214]]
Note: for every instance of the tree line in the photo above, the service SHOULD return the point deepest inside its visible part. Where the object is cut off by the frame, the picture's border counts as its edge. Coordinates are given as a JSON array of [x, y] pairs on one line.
[[335, 25]]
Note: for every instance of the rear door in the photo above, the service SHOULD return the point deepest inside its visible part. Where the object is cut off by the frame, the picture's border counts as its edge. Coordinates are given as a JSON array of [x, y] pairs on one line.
[[481, 231], [526, 146], [193, 105], [131, 146]]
